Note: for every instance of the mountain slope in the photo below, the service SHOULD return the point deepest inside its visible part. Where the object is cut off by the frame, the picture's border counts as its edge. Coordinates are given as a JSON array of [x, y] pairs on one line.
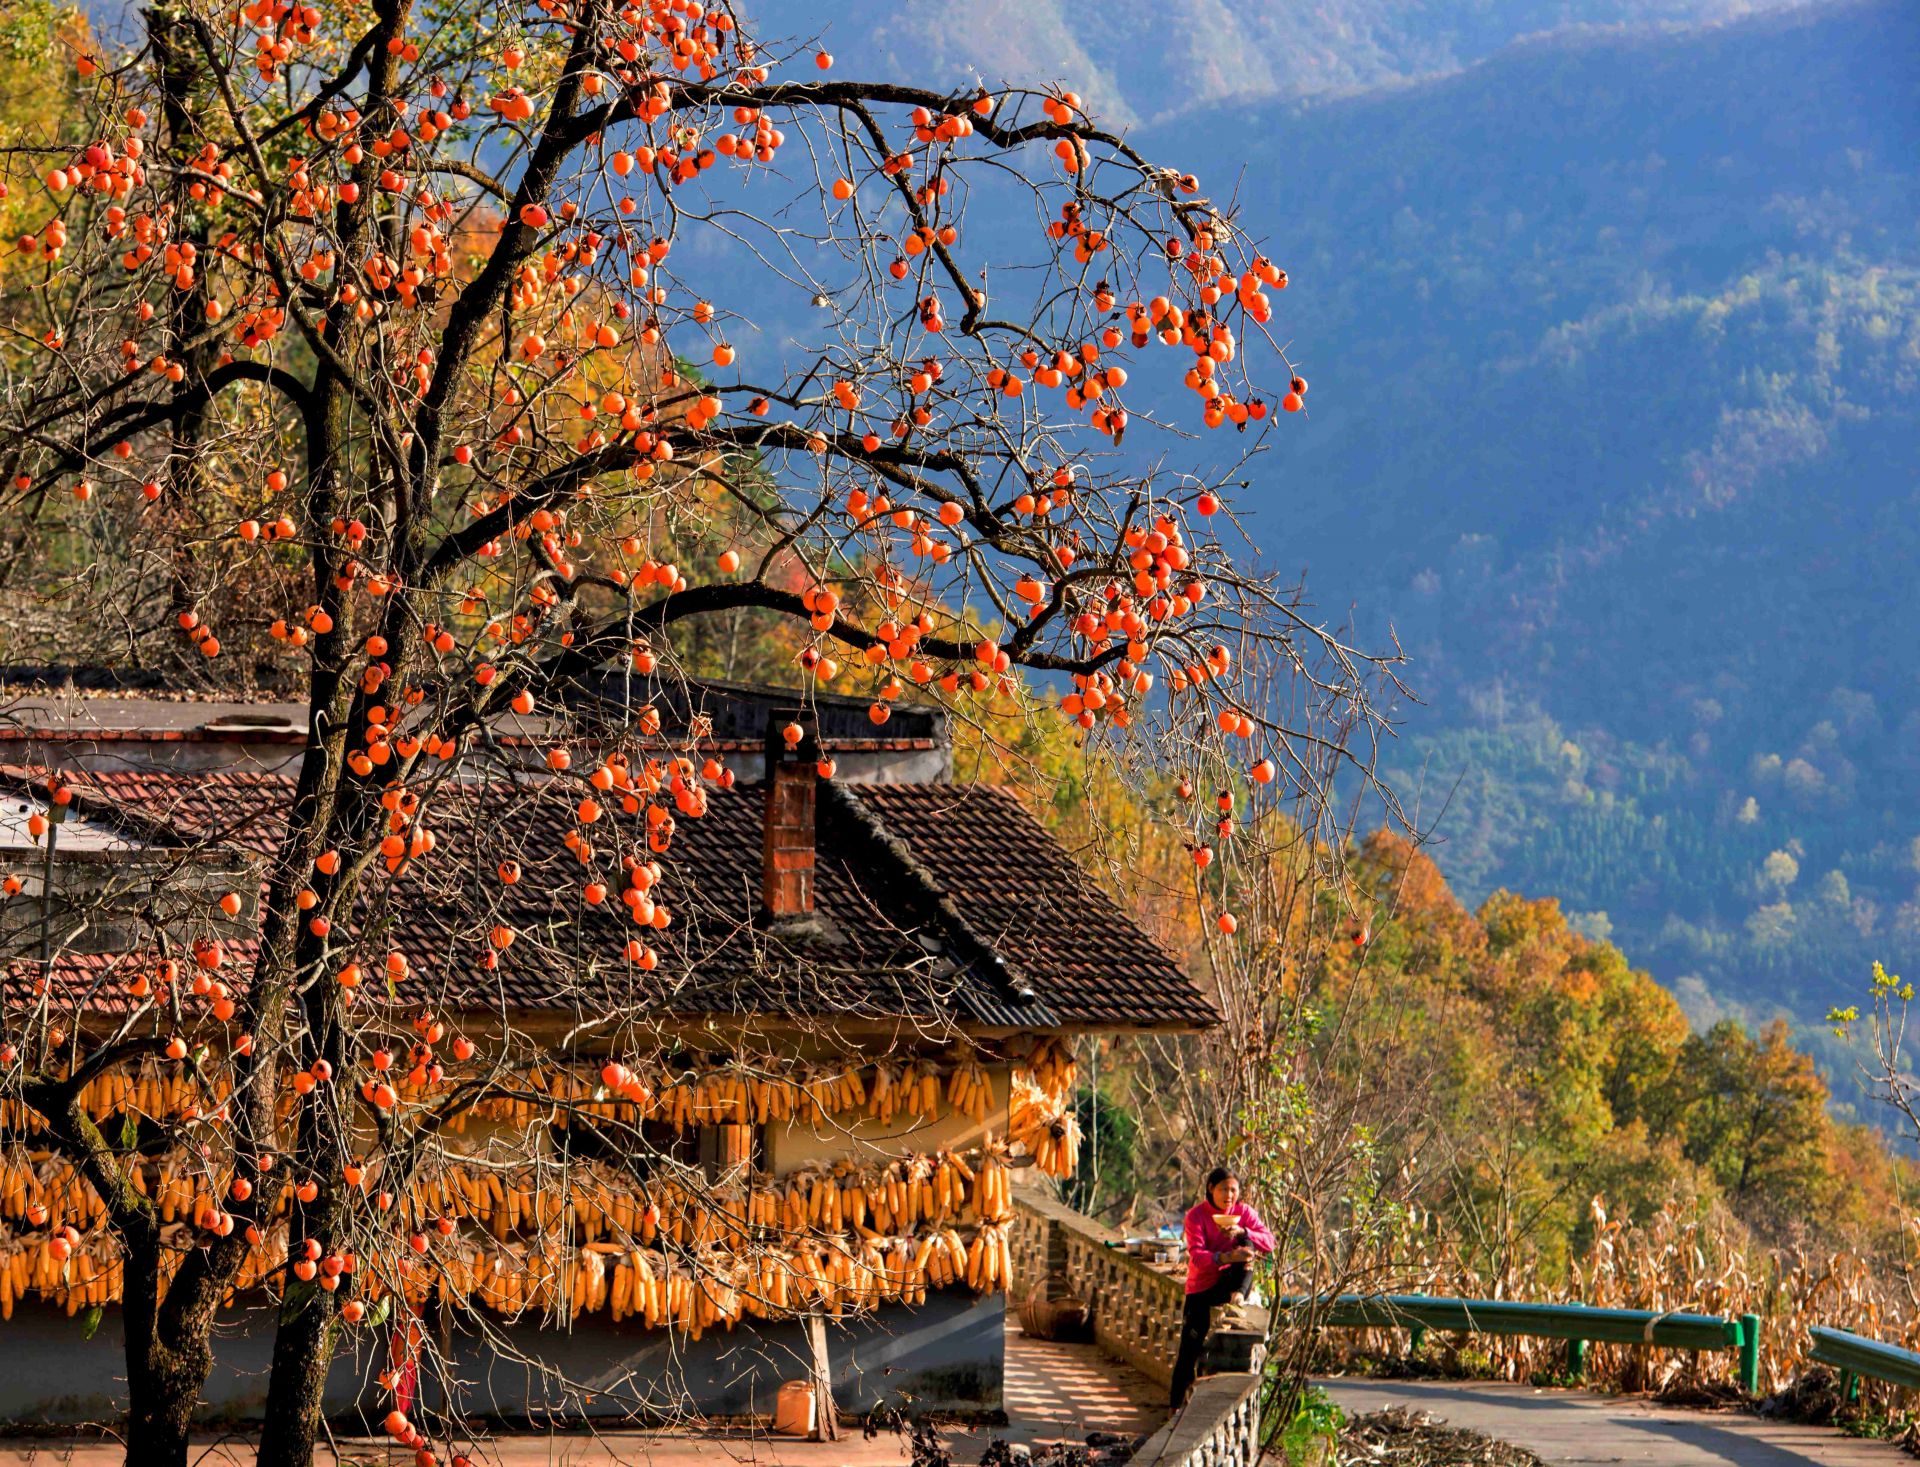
[[1148, 61], [1615, 345]]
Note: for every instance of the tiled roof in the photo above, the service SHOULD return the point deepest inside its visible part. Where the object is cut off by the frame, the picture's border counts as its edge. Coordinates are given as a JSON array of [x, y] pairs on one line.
[[1034, 902], [930, 900], [95, 981], [94, 706], [233, 807]]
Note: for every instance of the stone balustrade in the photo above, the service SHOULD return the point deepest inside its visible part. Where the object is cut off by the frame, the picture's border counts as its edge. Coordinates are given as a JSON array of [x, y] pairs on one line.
[[1220, 1427], [1136, 1307]]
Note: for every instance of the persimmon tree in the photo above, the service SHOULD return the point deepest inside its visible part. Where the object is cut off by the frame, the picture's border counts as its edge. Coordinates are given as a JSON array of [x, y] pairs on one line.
[[392, 354]]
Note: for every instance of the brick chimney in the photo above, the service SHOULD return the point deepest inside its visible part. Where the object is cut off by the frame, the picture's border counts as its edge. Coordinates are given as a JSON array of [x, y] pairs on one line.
[[786, 866]]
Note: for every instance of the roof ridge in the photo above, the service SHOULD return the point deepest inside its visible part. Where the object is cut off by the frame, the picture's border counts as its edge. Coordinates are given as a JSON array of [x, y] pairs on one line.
[[974, 945], [89, 799]]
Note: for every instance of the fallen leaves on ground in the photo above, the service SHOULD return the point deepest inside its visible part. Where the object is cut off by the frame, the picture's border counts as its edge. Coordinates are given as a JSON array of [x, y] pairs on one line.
[[1398, 1437]]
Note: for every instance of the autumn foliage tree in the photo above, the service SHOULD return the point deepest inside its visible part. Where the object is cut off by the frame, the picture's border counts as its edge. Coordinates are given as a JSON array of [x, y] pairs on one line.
[[1554, 1073], [383, 352]]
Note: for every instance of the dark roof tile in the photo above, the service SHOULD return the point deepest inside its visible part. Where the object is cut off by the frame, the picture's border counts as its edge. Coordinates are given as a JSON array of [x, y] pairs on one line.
[[984, 904]]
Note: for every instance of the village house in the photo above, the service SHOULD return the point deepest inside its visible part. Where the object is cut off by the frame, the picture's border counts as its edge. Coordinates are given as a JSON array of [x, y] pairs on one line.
[[857, 1028]]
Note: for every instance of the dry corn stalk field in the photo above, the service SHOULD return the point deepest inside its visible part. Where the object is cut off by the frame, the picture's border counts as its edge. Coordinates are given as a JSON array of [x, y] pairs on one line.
[[1672, 1263]]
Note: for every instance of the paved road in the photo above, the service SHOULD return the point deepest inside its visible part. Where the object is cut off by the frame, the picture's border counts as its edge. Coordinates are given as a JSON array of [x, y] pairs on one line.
[[1580, 1429]]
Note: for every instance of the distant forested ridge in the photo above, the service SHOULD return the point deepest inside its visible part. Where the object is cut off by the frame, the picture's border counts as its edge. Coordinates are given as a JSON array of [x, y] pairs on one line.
[[1153, 61], [1615, 351]]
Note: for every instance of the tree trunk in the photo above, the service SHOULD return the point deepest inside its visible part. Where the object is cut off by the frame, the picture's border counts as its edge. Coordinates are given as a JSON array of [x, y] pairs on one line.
[[169, 1353], [304, 1340], [164, 1377], [163, 1390], [303, 1343], [302, 1352]]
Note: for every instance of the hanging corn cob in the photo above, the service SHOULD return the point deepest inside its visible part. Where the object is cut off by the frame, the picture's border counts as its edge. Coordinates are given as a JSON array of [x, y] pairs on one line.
[[728, 1094], [993, 1183], [583, 1238], [693, 1292]]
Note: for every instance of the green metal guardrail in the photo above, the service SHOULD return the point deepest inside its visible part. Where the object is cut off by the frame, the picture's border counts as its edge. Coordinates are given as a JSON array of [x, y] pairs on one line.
[[1577, 1324], [1856, 1355]]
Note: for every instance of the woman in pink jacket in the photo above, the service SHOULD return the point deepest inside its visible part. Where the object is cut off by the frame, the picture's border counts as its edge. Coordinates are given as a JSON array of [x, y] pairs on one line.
[[1217, 1259]]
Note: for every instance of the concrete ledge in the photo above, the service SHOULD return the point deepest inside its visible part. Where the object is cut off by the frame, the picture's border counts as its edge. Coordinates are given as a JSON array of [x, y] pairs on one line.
[[1218, 1427]]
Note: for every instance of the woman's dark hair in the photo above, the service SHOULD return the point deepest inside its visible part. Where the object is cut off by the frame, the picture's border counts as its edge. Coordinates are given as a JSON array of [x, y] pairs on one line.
[[1218, 1175]]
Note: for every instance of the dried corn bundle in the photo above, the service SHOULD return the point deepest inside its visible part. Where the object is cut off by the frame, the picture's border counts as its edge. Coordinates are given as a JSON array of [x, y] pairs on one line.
[[989, 1259], [17, 1118], [692, 1289], [162, 1091], [1045, 1125], [92, 1276], [970, 1091], [584, 1237], [728, 1094], [1050, 1065], [910, 1089], [889, 1197], [36, 1186], [584, 1203], [993, 1187], [704, 1290]]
